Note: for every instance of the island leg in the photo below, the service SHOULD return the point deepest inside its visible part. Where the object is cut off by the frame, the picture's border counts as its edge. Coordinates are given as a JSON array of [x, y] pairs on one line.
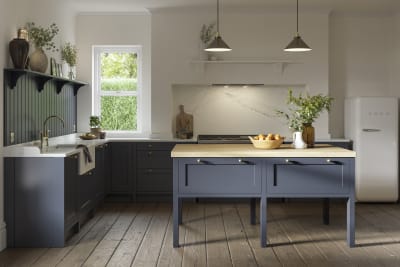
[[263, 221], [176, 217], [351, 222], [253, 211], [325, 210]]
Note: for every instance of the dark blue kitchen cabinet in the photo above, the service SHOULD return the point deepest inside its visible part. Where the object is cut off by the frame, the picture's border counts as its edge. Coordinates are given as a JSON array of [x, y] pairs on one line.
[[308, 176], [216, 176], [101, 172], [41, 208], [123, 165], [153, 171]]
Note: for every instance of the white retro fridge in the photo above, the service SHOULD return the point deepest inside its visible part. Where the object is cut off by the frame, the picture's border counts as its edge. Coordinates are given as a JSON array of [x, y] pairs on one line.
[[372, 123]]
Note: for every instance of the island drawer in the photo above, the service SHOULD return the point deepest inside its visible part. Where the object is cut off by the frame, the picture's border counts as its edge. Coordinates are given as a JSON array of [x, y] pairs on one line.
[[311, 176], [219, 176]]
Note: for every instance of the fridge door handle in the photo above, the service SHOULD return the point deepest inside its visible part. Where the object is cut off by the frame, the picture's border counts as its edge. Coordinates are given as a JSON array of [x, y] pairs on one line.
[[371, 130]]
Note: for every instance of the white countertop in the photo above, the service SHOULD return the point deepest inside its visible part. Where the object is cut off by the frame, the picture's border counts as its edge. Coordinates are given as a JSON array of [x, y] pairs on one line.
[[248, 150], [63, 146]]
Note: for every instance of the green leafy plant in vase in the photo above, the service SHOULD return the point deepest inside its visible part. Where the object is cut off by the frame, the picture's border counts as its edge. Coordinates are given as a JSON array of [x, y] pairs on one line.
[[303, 111], [69, 55], [42, 38], [207, 34], [95, 125]]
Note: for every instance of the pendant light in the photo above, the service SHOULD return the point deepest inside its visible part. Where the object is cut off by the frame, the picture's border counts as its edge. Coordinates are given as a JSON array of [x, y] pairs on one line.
[[218, 45], [297, 44]]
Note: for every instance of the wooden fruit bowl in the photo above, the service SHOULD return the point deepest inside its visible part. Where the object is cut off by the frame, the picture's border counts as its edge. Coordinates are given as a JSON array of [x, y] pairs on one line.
[[266, 144]]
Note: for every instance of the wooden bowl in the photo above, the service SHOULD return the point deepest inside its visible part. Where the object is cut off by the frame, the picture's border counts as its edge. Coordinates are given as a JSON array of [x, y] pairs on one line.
[[266, 144], [87, 137]]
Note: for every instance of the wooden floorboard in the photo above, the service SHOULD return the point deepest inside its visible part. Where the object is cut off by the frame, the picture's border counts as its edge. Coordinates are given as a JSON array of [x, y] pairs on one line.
[[220, 234], [194, 247]]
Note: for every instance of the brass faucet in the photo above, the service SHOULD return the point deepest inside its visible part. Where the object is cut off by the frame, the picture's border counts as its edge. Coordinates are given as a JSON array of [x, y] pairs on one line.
[[44, 134]]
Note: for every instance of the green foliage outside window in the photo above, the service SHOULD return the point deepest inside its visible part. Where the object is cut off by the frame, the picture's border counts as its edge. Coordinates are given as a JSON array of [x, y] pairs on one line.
[[118, 113], [119, 73], [121, 65], [118, 84]]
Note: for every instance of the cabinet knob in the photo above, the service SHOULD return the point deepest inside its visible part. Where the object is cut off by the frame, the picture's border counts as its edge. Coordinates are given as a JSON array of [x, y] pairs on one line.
[[149, 153], [199, 161], [328, 161], [240, 160], [149, 145], [105, 145], [149, 170]]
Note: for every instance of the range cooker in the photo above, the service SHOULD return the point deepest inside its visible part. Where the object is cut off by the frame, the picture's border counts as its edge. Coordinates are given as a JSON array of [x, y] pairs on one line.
[[224, 139]]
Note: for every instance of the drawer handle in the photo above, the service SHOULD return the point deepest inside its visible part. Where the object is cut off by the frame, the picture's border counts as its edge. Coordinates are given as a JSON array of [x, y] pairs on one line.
[[149, 145], [243, 161]]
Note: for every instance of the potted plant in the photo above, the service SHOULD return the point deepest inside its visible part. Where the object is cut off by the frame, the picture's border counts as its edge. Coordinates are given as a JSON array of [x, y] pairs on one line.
[[42, 38], [68, 54], [95, 125], [207, 34], [303, 111]]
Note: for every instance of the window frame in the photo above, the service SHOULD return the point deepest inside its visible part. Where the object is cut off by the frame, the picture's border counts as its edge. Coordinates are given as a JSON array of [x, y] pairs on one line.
[[97, 50]]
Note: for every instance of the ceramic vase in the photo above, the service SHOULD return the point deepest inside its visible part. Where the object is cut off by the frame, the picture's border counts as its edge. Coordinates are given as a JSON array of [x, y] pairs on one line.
[[308, 134], [38, 61], [298, 140], [19, 49]]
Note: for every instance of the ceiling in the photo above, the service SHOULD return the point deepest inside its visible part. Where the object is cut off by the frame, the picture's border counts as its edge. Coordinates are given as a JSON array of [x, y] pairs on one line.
[[370, 6]]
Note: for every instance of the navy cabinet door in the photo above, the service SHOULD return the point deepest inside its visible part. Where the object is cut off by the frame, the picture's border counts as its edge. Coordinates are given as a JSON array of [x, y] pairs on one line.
[[311, 176], [71, 185], [122, 167], [219, 176]]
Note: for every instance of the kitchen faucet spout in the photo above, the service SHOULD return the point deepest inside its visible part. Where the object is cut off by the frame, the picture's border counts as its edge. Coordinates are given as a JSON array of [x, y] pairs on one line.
[[44, 135]]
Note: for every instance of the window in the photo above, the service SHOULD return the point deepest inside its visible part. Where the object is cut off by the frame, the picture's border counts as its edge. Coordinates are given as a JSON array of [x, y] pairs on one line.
[[117, 87]]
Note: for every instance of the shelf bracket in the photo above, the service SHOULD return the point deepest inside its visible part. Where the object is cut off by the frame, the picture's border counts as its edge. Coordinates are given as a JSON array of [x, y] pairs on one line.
[[77, 86], [59, 85], [40, 81], [12, 78]]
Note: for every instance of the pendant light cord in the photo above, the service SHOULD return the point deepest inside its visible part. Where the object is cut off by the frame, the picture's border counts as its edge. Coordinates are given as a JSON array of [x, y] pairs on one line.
[[217, 17], [297, 16]]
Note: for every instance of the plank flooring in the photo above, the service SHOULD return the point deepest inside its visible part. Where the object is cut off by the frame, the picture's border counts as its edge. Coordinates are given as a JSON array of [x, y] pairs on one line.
[[220, 234]]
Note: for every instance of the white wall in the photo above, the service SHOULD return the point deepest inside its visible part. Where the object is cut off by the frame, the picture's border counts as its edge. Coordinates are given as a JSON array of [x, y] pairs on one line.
[[252, 35], [113, 29], [56, 11], [362, 57]]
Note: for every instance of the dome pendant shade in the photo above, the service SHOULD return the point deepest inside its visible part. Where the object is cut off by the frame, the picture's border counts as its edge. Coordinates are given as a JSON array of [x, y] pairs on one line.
[[297, 45], [218, 45]]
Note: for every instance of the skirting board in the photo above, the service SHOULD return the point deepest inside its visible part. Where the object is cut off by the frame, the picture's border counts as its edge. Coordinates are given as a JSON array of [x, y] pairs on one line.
[[3, 236]]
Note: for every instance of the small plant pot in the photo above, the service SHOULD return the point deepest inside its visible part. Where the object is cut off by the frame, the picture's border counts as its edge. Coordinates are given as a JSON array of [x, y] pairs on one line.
[[96, 131]]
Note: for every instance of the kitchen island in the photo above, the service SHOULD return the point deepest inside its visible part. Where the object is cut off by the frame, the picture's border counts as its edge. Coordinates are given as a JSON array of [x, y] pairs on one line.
[[242, 171]]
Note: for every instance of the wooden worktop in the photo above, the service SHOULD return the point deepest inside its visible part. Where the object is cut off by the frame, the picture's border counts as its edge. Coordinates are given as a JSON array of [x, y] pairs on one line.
[[248, 150]]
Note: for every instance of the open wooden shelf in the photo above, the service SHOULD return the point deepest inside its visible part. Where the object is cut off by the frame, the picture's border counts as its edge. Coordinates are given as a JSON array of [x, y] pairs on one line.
[[11, 77]]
